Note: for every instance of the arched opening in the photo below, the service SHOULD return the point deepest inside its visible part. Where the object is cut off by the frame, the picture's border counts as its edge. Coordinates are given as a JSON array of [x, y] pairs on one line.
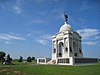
[[54, 50], [66, 49], [61, 47], [74, 44], [74, 47]]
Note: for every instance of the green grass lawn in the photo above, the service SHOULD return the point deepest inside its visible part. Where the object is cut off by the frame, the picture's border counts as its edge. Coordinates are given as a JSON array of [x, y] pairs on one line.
[[34, 69]]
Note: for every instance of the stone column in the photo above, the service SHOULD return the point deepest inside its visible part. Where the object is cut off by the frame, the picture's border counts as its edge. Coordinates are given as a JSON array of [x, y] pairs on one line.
[[72, 48], [68, 45], [56, 51]]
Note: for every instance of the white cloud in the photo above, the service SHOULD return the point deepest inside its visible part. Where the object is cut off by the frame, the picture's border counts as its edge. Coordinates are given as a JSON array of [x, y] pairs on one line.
[[17, 10], [8, 42], [88, 33], [10, 37], [90, 36], [46, 36], [40, 37], [84, 6], [17, 7], [37, 21], [90, 43], [13, 6], [42, 41], [29, 35], [97, 37]]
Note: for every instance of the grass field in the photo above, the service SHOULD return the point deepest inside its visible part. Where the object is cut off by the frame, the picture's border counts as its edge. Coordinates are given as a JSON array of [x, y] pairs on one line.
[[34, 69]]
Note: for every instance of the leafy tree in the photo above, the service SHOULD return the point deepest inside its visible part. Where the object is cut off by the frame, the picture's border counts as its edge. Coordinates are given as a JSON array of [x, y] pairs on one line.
[[8, 59], [2, 55], [29, 59], [20, 59], [33, 58]]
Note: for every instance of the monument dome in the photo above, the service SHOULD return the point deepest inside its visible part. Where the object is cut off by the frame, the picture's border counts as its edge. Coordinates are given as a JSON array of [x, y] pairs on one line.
[[66, 27]]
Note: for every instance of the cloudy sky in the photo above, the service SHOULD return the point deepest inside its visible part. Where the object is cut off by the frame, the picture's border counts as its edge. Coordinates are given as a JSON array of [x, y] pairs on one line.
[[26, 26]]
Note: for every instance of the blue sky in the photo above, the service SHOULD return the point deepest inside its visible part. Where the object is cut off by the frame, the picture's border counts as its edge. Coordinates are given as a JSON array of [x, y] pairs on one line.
[[26, 26]]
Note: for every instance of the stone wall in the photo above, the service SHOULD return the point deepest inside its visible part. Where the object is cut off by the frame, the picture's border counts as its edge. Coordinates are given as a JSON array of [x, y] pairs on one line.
[[86, 60]]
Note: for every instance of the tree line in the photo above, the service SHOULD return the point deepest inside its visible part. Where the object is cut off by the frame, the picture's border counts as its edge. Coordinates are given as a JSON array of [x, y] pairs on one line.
[[29, 59], [6, 59]]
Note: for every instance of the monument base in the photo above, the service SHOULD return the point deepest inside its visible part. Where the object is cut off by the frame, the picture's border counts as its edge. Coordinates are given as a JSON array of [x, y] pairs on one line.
[[68, 61]]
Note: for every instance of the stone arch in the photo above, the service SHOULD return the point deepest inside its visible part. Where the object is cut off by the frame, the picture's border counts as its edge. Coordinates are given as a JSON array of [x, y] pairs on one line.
[[66, 49], [74, 46], [60, 50], [54, 50]]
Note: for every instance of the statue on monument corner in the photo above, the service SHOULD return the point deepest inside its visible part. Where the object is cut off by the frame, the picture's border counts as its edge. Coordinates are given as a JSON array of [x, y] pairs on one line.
[[66, 17]]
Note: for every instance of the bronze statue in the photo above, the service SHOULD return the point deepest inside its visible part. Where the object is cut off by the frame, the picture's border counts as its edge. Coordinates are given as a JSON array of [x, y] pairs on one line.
[[66, 17]]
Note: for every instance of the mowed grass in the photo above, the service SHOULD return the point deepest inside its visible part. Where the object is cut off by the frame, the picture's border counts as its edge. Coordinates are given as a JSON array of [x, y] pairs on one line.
[[34, 69]]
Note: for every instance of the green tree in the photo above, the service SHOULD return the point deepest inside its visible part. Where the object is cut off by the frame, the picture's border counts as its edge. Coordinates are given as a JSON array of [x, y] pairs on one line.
[[29, 59], [33, 58], [20, 59], [8, 59], [2, 55]]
